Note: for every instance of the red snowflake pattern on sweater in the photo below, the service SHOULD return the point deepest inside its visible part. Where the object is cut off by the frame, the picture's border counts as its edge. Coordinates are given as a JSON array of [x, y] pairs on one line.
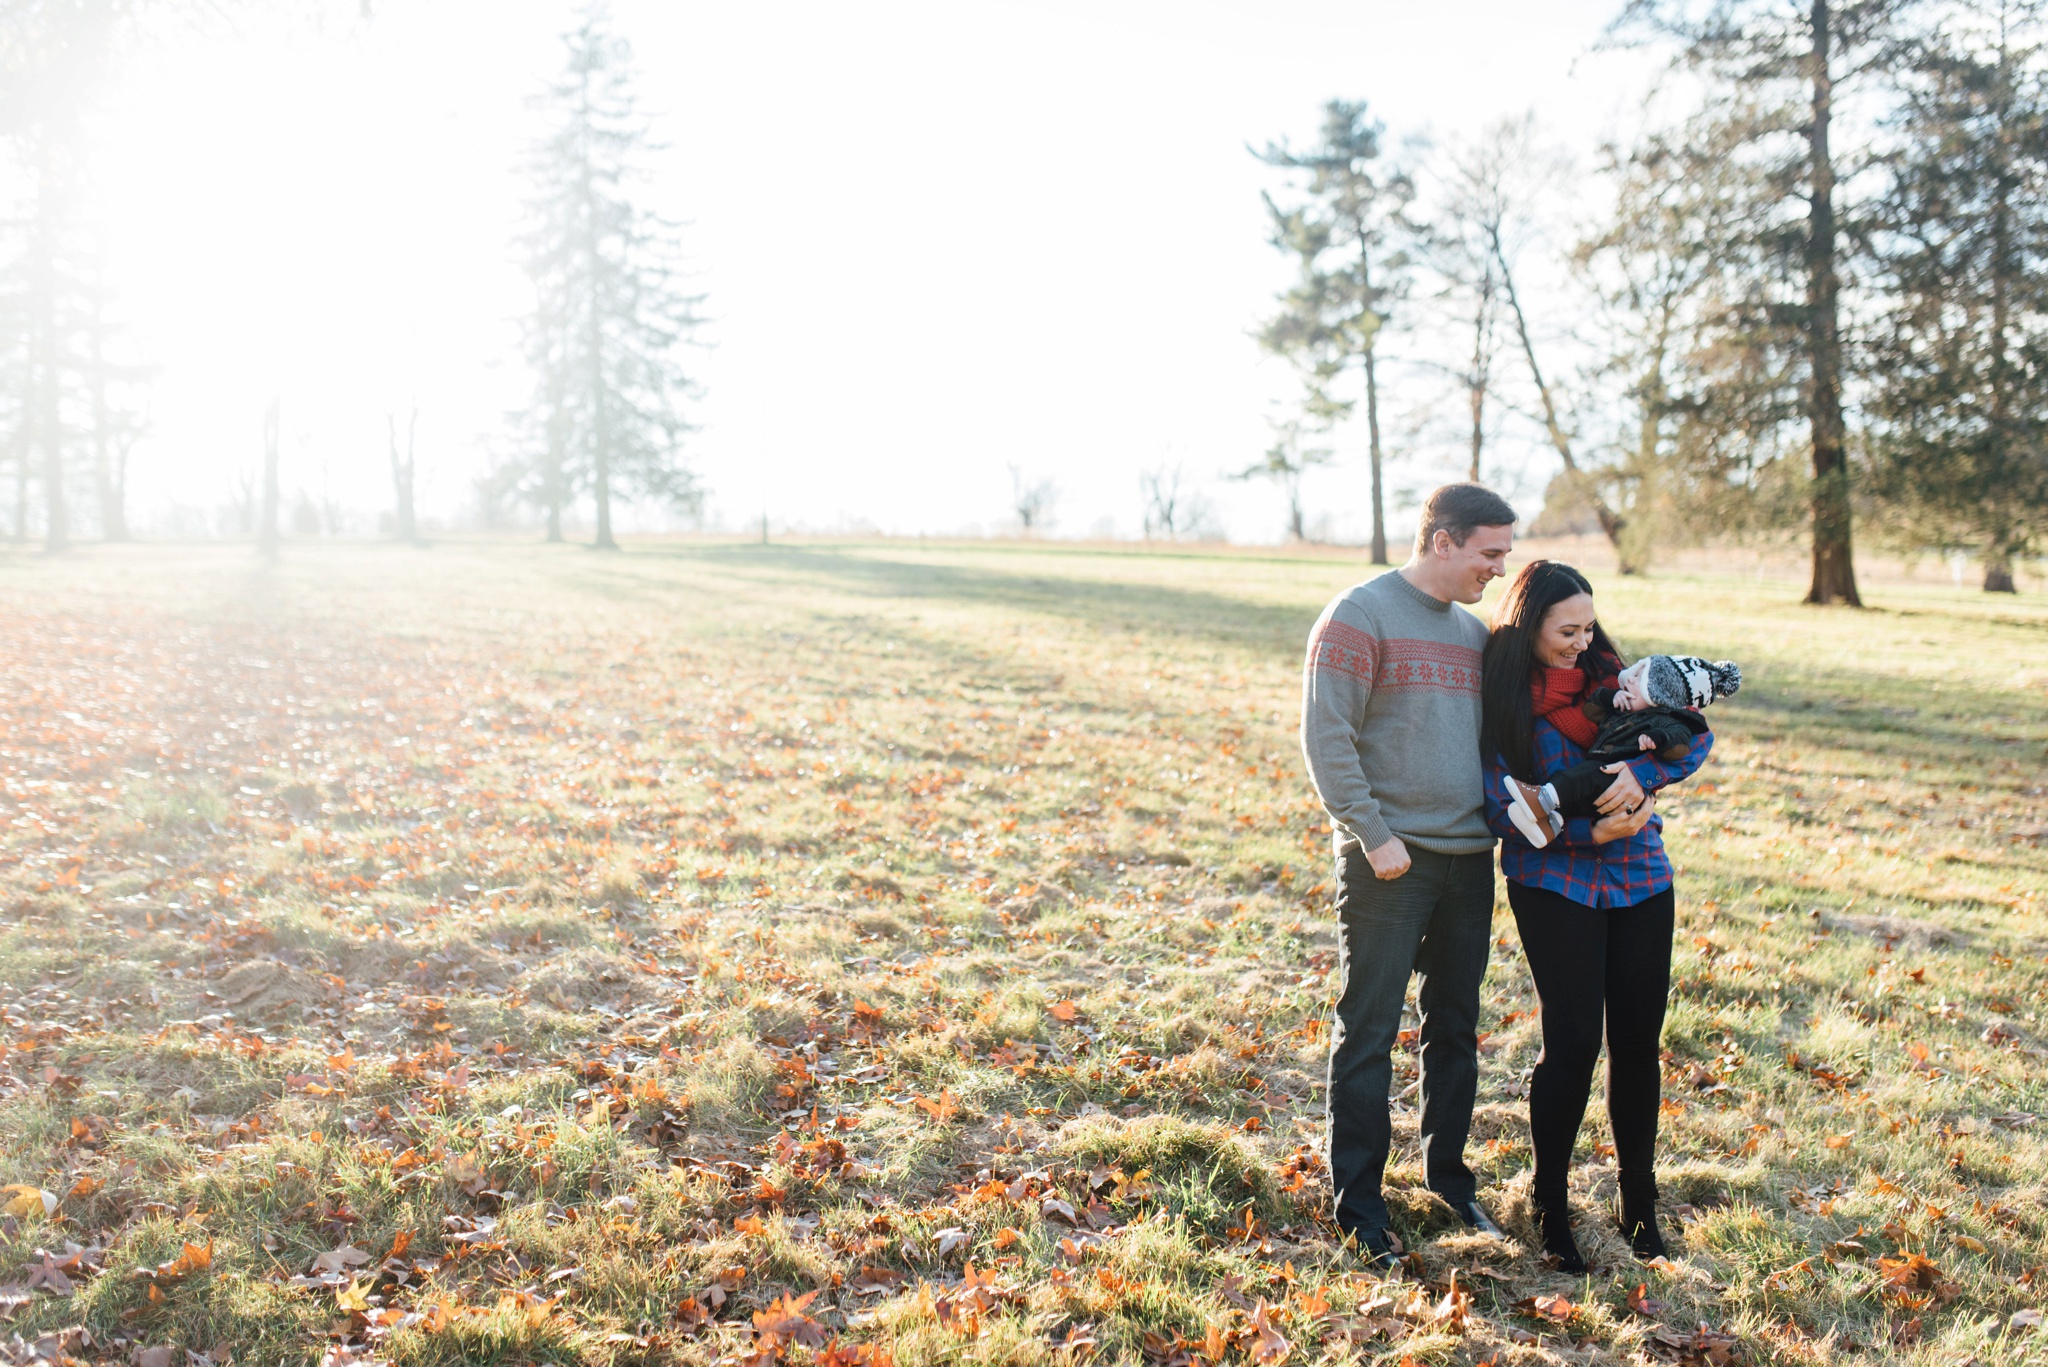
[[1395, 661], [1344, 650]]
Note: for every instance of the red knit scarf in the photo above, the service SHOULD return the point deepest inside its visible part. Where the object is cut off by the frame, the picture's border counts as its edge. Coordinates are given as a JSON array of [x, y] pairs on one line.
[[1555, 695]]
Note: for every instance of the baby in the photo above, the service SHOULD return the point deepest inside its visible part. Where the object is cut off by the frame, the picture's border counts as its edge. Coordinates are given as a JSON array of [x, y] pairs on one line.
[[1653, 706]]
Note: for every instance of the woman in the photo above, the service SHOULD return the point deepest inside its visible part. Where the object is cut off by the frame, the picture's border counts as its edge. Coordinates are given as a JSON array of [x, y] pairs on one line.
[[1594, 907]]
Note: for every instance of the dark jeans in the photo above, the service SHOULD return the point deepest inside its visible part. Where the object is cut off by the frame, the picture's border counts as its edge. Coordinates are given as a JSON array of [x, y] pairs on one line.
[[1436, 920], [1595, 969]]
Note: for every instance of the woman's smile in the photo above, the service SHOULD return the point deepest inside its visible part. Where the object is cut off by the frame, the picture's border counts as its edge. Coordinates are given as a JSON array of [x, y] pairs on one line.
[[1566, 631]]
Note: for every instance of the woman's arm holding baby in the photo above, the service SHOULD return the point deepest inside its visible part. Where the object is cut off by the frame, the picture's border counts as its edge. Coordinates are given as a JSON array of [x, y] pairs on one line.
[[1653, 773], [1635, 779]]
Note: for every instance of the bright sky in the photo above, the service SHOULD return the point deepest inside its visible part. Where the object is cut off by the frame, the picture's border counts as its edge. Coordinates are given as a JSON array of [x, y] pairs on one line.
[[938, 238]]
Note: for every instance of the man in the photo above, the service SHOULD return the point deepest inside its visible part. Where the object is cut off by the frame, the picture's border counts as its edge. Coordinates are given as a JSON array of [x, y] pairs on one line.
[[1390, 725]]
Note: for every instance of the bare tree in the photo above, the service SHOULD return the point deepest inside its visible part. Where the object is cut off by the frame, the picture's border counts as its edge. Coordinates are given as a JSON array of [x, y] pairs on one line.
[[1494, 186], [114, 420], [1284, 463], [403, 467], [266, 526], [1175, 508], [1458, 249], [1165, 501], [1472, 295], [1032, 499]]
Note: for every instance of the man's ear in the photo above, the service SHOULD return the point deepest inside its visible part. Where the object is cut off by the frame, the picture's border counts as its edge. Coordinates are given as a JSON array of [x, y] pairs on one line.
[[1440, 543]]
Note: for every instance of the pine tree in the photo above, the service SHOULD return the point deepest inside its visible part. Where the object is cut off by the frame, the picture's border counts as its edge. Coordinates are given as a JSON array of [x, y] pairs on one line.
[[67, 393], [609, 311], [1346, 235], [1961, 376], [1776, 65]]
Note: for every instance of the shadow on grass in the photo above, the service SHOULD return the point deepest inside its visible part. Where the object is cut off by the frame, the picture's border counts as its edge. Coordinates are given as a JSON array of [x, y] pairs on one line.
[[1104, 605], [1886, 714]]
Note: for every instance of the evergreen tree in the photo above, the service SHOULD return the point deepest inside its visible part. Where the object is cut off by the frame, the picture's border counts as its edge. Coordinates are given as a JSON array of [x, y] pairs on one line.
[[1776, 65], [1346, 235], [1960, 384], [68, 396], [609, 312]]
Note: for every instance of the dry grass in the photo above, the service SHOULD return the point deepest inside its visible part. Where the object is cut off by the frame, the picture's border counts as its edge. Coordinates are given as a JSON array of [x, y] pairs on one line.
[[587, 955]]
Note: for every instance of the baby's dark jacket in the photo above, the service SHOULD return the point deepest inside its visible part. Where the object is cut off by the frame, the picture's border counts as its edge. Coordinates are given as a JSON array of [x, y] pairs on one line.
[[1671, 729]]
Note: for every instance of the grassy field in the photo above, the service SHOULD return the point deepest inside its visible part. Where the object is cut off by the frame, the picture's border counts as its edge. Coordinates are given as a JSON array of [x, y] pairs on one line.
[[856, 953]]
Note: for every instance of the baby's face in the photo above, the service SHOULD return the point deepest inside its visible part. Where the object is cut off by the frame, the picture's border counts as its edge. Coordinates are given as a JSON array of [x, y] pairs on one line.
[[1628, 688]]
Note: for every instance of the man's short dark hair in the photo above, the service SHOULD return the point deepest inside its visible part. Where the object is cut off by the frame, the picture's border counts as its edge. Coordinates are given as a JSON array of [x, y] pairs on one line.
[[1459, 509]]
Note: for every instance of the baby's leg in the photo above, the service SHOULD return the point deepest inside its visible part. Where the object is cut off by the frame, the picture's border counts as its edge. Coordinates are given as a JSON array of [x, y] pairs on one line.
[[1577, 788]]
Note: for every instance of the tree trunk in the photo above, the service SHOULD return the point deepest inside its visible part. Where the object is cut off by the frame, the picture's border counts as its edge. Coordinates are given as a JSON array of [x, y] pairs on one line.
[[1834, 572], [56, 528], [44, 348], [2005, 272], [593, 285], [1610, 523], [601, 436], [1998, 568], [1476, 382], [266, 524], [113, 516], [1639, 528], [56, 522], [402, 475], [551, 482], [121, 454], [1379, 502], [24, 449]]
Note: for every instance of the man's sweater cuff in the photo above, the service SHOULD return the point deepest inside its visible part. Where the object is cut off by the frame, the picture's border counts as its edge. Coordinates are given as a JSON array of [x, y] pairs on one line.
[[1371, 833]]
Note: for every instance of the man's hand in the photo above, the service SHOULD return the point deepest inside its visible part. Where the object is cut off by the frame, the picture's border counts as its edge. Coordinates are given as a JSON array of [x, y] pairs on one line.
[[1624, 824], [1624, 794], [1389, 861]]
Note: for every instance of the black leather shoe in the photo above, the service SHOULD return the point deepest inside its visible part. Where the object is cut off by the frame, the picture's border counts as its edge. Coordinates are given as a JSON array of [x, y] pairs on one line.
[[1475, 1217]]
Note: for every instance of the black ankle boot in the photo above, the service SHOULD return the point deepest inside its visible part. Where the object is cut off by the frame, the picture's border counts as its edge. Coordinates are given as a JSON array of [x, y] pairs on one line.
[[1639, 1220], [1555, 1214]]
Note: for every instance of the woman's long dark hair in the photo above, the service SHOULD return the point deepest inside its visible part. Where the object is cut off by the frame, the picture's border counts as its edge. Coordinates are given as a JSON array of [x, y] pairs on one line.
[[1508, 724]]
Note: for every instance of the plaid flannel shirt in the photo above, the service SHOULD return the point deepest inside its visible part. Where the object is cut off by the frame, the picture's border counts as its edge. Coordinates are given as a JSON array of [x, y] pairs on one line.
[[1619, 873]]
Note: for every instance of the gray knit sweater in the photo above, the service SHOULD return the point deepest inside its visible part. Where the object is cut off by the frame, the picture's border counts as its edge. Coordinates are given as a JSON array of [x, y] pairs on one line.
[[1390, 718]]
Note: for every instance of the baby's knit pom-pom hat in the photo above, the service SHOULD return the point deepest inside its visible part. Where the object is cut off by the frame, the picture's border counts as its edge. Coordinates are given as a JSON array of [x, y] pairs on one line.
[[1688, 681]]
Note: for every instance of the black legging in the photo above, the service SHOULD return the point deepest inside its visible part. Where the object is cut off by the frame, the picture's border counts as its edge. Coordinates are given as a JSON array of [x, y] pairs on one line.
[[1595, 966]]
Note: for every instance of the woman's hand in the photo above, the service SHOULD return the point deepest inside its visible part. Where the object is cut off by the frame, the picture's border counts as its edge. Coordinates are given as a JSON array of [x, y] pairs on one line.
[[1622, 795], [1624, 823]]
